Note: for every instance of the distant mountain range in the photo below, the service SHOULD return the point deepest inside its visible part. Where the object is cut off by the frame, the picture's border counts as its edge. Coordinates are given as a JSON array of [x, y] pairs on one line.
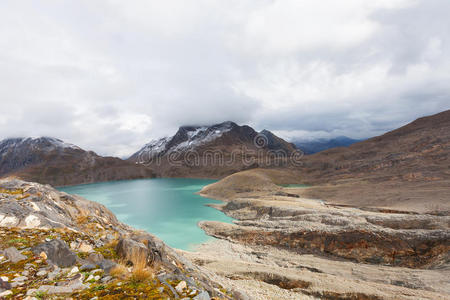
[[419, 149], [50, 160], [317, 145]]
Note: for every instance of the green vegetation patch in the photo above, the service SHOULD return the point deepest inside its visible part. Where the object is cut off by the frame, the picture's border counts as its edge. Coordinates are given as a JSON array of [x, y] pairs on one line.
[[151, 289], [108, 251]]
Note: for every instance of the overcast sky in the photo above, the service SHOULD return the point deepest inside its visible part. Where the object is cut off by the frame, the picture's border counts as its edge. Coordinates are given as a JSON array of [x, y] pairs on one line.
[[111, 75]]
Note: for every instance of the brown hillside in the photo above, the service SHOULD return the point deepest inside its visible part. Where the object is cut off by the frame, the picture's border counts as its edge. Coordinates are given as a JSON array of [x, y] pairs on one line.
[[405, 169]]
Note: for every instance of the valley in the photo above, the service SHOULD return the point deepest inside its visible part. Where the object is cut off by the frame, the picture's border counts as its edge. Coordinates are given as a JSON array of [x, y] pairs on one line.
[[368, 221]]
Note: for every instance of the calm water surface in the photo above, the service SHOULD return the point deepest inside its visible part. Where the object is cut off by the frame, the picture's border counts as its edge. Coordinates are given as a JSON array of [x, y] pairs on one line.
[[166, 207]]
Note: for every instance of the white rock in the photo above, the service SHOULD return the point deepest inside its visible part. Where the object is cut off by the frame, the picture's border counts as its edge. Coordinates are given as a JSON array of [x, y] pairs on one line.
[[74, 271], [181, 286], [7, 221], [84, 247], [4, 278], [20, 278], [97, 277], [41, 273], [16, 284], [90, 277], [31, 292], [73, 245], [35, 206], [6, 293], [32, 221]]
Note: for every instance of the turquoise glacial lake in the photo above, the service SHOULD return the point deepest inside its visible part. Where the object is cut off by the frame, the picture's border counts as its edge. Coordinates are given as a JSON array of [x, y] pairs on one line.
[[166, 207]]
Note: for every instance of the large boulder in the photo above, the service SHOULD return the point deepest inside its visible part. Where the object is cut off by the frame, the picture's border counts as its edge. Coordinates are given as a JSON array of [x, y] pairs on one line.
[[107, 265], [95, 258], [131, 250], [156, 247], [57, 252]]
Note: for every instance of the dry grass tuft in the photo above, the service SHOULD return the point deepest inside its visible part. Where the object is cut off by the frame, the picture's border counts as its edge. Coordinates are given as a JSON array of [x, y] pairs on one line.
[[92, 226], [120, 271], [141, 272], [141, 275], [60, 230], [82, 219], [111, 244]]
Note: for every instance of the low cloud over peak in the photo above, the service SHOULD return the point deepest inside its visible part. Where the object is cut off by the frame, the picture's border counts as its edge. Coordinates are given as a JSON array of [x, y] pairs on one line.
[[110, 75]]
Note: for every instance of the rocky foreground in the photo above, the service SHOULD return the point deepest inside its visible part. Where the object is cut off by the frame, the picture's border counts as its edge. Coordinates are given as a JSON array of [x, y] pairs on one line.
[[284, 246], [55, 245], [281, 246]]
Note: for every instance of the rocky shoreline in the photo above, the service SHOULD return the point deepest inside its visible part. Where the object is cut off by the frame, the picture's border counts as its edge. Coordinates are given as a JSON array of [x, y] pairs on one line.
[[284, 246], [55, 245], [281, 246]]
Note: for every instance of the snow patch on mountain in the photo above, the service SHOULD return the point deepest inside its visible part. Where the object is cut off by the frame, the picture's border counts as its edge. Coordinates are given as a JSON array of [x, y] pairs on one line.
[[42, 143], [155, 146], [187, 138], [200, 136]]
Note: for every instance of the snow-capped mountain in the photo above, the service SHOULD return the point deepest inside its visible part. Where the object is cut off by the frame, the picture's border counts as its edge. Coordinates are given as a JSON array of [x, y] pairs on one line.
[[197, 138], [50, 160], [225, 139], [187, 137], [17, 153], [44, 143]]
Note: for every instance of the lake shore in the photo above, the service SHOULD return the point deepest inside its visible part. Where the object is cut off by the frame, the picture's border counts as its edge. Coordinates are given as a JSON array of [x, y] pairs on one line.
[[284, 244], [167, 207], [55, 245]]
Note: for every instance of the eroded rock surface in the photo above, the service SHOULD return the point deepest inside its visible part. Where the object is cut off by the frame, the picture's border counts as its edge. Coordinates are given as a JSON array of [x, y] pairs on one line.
[[284, 244], [309, 226]]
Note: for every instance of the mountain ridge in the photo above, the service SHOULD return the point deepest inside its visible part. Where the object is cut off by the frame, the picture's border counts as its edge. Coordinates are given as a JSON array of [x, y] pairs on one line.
[[218, 150], [51, 160]]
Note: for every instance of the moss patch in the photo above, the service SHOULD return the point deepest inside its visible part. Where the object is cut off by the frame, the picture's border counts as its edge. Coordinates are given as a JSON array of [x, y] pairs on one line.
[[151, 289]]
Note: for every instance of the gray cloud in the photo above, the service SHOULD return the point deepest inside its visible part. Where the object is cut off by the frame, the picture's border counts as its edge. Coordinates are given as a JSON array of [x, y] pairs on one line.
[[111, 75]]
